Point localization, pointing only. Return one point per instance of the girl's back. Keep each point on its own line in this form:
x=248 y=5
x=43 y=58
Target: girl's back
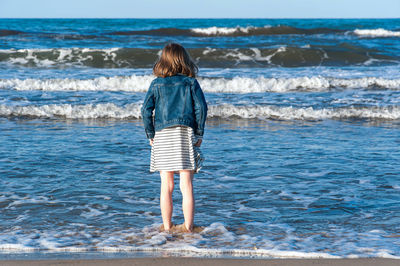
x=178 y=100
x=174 y=113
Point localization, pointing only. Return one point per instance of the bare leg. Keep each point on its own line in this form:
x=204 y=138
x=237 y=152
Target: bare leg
x=167 y=187
x=186 y=186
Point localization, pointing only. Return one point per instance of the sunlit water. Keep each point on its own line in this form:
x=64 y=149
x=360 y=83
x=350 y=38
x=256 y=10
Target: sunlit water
x=302 y=141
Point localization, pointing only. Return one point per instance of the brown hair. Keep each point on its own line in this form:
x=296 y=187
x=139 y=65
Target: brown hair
x=174 y=60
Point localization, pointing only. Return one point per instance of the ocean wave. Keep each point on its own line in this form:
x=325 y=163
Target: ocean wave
x=87 y=111
x=204 y=57
x=225 y=30
x=4 y=32
x=187 y=249
x=182 y=250
x=229 y=31
x=309 y=113
x=213 y=31
x=223 y=111
x=150 y=240
x=132 y=83
x=313 y=83
x=137 y=83
x=376 y=32
x=99 y=58
x=58 y=36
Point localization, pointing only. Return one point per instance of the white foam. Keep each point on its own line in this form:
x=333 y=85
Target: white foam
x=110 y=110
x=224 y=30
x=377 y=32
x=15 y=247
x=67 y=56
x=27 y=200
x=88 y=111
x=131 y=83
x=91 y=213
x=256 y=56
x=215 y=240
x=383 y=253
x=210 y=252
x=292 y=113
x=140 y=83
x=182 y=249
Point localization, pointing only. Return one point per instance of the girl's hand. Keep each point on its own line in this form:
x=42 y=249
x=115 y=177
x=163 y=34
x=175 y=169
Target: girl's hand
x=151 y=142
x=198 y=143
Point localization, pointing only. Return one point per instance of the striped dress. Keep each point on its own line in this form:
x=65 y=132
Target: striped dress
x=173 y=150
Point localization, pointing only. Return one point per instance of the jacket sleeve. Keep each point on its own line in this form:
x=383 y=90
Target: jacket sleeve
x=200 y=108
x=147 y=112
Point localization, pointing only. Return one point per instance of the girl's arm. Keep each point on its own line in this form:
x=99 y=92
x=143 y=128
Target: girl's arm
x=200 y=108
x=147 y=113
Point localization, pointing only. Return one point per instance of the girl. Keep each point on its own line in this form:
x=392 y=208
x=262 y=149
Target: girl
x=176 y=130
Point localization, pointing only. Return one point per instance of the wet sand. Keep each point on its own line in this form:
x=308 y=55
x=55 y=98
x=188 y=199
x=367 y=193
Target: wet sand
x=202 y=261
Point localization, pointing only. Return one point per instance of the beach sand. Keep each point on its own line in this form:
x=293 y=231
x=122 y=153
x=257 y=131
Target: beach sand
x=202 y=261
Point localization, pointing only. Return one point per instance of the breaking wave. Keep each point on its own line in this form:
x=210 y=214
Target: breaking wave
x=377 y=33
x=309 y=113
x=310 y=55
x=223 y=111
x=212 y=31
x=137 y=83
x=4 y=32
x=229 y=31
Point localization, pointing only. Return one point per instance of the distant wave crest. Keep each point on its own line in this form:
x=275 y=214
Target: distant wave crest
x=226 y=30
x=229 y=31
x=376 y=32
x=213 y=31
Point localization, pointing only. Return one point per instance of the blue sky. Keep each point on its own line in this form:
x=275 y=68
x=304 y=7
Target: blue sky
x=200 y=9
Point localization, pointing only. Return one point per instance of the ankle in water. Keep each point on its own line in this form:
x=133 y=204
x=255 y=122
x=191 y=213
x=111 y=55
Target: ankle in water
x=187 y=229
x=162 y=228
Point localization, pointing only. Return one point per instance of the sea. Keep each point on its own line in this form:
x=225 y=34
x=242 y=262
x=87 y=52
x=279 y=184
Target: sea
x=301 y=145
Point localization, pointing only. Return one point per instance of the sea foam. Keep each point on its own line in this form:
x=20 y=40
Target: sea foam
x=223 y=30
x=137 y=83
x=223 y=111
x=287 y=56
x=377 y=32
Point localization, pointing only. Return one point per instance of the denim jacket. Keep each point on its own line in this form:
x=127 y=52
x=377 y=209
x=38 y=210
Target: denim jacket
x=177 y=100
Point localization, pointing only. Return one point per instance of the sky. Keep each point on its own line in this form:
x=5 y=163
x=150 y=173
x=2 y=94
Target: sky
x=200 y=9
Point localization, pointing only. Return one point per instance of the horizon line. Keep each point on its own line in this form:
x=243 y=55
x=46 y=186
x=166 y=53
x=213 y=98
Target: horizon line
x=198 y=18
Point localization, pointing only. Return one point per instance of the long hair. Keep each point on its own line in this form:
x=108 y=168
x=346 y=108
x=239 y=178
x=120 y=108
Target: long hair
x=174 y=60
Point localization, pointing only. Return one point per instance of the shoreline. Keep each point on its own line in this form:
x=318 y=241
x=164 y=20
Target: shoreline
x=205 y=261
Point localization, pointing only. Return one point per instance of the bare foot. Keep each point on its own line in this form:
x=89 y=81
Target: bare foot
x=161 y=228
x=182 y=228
